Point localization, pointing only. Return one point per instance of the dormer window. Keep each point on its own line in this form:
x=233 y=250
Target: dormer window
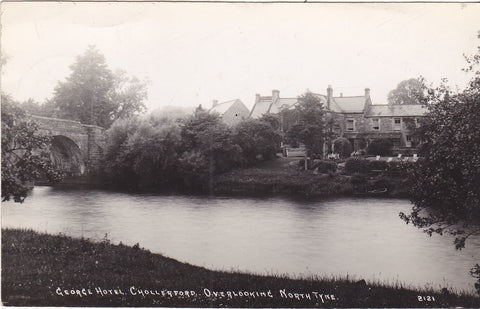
x=376 y=124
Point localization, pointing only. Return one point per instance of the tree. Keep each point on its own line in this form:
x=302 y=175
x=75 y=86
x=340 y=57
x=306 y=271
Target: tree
x=93 y=94
x=24 y=153
x=380 y=146
x=410 y=91
x=310 y=129
x=446 y=182
x=143 y=153
x=343 y=147
x=257 y=139
x=208 y=149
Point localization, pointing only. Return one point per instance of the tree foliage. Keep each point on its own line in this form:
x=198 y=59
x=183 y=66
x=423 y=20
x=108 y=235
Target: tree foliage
x=410 y=91
x=380 y=146
x=257 y=139
x=446 y=183
x=24 y=153
x=93 y=94
x=310 y=129
x=343 y=147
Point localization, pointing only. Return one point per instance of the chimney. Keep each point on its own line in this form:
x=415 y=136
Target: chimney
x=367 y=93
x=368 y=101
x=329 y=96
x=215 y=103
x=341 y=95
x=257 y=98
x=275 y=95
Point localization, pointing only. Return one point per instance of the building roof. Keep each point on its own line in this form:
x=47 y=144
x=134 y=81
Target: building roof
x=261 y=107
x=354 y=104
x=396 y=110
x=281 y=104
x=222 y=107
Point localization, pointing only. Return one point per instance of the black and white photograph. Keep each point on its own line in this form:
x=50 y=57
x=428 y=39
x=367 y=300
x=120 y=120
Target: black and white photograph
x=240 y=154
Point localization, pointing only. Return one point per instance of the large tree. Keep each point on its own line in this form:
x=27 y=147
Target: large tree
x=24 y=153
x=258 y=139
x=310 y=128
x=93 y=94
x=208 y=149
x=446 y=182
x=410 y=91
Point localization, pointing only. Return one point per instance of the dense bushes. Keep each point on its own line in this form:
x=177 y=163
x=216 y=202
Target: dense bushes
x=257 y=140
x=381 y=146
x=342 y=146
x=363 y=166
x=357 y=166
x=163 y=154
x=324 y=166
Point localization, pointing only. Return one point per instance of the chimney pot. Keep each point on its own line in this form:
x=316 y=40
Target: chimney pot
x=367 y=92
x=215 y=103
x=329 y=95
x=341 y=95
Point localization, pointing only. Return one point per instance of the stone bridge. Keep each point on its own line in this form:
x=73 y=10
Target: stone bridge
x=76 y=148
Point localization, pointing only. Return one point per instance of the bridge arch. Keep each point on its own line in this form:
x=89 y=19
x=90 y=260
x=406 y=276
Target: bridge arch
x=67 y=156
x=78 y=147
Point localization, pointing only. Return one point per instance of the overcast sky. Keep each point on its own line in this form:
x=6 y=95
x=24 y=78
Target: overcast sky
x=194 y=53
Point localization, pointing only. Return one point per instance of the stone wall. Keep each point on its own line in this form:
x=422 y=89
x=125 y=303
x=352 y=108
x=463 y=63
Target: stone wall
x=90 y=139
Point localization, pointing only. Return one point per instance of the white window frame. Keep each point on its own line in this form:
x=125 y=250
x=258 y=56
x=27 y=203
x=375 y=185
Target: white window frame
x=377 y=128
x=397 y=127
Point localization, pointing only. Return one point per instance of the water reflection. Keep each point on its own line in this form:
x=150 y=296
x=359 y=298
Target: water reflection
x=361 y=237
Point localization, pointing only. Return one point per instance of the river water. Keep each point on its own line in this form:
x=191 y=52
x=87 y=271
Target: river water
x=361 y=237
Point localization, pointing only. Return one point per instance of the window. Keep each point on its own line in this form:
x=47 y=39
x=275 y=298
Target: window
x=376 y=124
x=350 y=125
x=417 y=122
x=409 y=141
x=397 y=124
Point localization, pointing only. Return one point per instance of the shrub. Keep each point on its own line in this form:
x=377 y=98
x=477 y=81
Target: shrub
x=358 y=179
x=357 y=165
x=324 y=166
x=342 y=146
x=378 y=165
x=381 y=146
x=400 y=167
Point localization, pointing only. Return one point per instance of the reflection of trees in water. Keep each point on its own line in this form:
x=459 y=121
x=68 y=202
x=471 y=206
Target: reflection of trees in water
x=67 y=156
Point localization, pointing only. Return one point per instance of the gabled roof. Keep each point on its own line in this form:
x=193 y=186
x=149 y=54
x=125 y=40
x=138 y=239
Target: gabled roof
x=222 y=107
x=260 y=108
x=397 y=110
x=354 y=104
x=281 y=104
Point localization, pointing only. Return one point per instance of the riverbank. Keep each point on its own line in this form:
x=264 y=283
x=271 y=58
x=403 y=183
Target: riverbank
x=283 y=176
x=45 y=270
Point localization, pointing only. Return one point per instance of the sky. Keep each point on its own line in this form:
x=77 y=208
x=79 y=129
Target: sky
x=193 y=53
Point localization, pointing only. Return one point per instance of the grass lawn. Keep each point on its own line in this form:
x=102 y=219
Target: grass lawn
x=46 y=270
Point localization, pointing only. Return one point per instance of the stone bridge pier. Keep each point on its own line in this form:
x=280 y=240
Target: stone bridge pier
x=76 y=148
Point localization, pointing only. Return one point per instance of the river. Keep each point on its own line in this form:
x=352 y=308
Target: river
x=361 y=237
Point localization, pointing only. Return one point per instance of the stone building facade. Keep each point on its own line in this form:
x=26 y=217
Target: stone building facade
x=356 y=118
x=232 y=112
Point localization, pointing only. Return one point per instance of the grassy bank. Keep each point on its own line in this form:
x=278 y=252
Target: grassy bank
x=46 y=270
x=284 y=176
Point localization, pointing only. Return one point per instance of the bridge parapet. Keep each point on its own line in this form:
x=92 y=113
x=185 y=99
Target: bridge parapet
x=89 y=138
